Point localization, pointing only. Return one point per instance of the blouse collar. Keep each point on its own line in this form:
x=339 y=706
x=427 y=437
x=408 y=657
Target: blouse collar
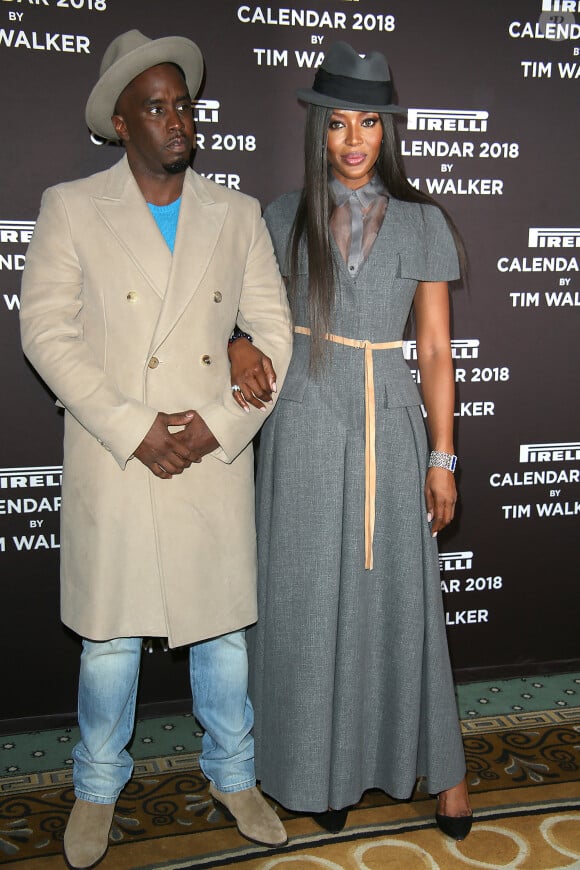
x=365 y=195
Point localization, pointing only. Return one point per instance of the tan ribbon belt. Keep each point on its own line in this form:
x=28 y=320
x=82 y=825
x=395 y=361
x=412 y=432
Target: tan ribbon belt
x=370 y=451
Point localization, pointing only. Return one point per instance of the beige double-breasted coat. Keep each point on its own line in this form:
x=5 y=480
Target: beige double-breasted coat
x=119 y=329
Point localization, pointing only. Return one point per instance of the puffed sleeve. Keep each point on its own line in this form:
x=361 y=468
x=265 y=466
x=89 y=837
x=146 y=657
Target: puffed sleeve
x=441 y=262
x=279 y=217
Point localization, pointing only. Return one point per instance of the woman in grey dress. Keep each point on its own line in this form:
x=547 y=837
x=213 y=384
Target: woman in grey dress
x=351 y=680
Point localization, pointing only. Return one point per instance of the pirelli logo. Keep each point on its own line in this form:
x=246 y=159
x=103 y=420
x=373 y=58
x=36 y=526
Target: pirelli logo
x=31 y=478
x=16 y=232
x=564 y=451
x=442 y=120
x=462 y=560
x=554 y=237
x=206 y=111
x=461 y=348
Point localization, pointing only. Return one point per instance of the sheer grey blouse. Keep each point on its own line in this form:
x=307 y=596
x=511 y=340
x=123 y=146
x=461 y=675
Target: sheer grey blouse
x=356 y=219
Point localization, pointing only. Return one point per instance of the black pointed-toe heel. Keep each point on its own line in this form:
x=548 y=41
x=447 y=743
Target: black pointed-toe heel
x=456 y=827
x=332 y=821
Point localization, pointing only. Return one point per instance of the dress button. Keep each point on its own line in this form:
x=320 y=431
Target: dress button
x=153 y=362
x=206 y=360
x=131 y=296
x=217 y=296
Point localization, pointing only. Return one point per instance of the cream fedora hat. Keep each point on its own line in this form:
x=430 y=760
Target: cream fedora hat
x=128 y=56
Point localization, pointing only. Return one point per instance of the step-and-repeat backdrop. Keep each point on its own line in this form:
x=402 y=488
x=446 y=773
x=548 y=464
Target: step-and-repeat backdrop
x=492 y=132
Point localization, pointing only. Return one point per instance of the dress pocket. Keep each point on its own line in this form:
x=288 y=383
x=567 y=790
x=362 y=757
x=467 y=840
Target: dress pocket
x=401 y=392
x=412 y=265
x=296 y=379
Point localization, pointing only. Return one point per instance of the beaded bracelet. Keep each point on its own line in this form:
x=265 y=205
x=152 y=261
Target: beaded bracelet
x=437 y=459
x=237 y=333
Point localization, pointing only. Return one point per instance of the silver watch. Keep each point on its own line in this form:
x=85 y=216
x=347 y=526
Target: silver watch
x=438 y=459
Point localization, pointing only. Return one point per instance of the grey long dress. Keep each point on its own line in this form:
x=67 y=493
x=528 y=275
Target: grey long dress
x=350 y=673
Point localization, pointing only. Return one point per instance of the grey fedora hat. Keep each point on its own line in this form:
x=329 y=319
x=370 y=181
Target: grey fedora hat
x=128 y=56
x=345 y=80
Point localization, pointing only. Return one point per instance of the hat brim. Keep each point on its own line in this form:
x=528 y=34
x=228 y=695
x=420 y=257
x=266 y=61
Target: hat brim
x=169 y=49
x=307 y=95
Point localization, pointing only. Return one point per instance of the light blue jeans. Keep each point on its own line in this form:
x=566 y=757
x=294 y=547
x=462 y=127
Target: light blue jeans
x=108 y=681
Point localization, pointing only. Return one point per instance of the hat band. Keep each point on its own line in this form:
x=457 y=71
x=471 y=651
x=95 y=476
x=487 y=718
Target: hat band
x=352 y=90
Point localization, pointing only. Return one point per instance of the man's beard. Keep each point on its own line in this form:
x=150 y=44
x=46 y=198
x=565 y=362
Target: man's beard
x=177 y=167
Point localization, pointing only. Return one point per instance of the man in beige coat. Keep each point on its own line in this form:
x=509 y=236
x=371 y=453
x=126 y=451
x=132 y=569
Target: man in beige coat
x=134 y=280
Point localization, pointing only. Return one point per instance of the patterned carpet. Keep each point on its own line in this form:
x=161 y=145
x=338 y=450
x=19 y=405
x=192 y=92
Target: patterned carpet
x=524 y=778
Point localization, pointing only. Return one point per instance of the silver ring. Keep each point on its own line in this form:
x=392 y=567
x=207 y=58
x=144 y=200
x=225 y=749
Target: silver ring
x=236 y=388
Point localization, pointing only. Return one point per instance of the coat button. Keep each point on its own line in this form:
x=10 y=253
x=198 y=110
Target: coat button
x=206 y=360
x=153 y=362
x=217 y=296
x=131 y=296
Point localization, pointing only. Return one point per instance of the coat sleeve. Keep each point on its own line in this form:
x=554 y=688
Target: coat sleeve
x=52 y=337
x=264 y=314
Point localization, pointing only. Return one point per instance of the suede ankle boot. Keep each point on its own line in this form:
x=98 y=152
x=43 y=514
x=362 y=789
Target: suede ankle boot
x=86 y=838
x=256 y=820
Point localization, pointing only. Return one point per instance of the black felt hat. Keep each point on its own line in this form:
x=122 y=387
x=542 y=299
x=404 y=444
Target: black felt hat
x=345 y=80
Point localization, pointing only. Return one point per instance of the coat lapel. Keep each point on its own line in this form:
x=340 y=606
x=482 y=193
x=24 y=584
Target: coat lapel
x=175 y=278
x=200 y=223
x=124 y=210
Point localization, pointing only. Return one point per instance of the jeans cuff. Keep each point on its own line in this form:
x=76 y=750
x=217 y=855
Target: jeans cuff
x=242 y=786
x=95 y=798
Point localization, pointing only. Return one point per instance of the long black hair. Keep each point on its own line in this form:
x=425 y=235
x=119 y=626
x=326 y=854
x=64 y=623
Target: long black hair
x=311 y=225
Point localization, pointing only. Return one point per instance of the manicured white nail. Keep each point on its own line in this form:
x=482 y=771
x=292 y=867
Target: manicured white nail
x=434 y=535
x=274 y=387
x=429 y=517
